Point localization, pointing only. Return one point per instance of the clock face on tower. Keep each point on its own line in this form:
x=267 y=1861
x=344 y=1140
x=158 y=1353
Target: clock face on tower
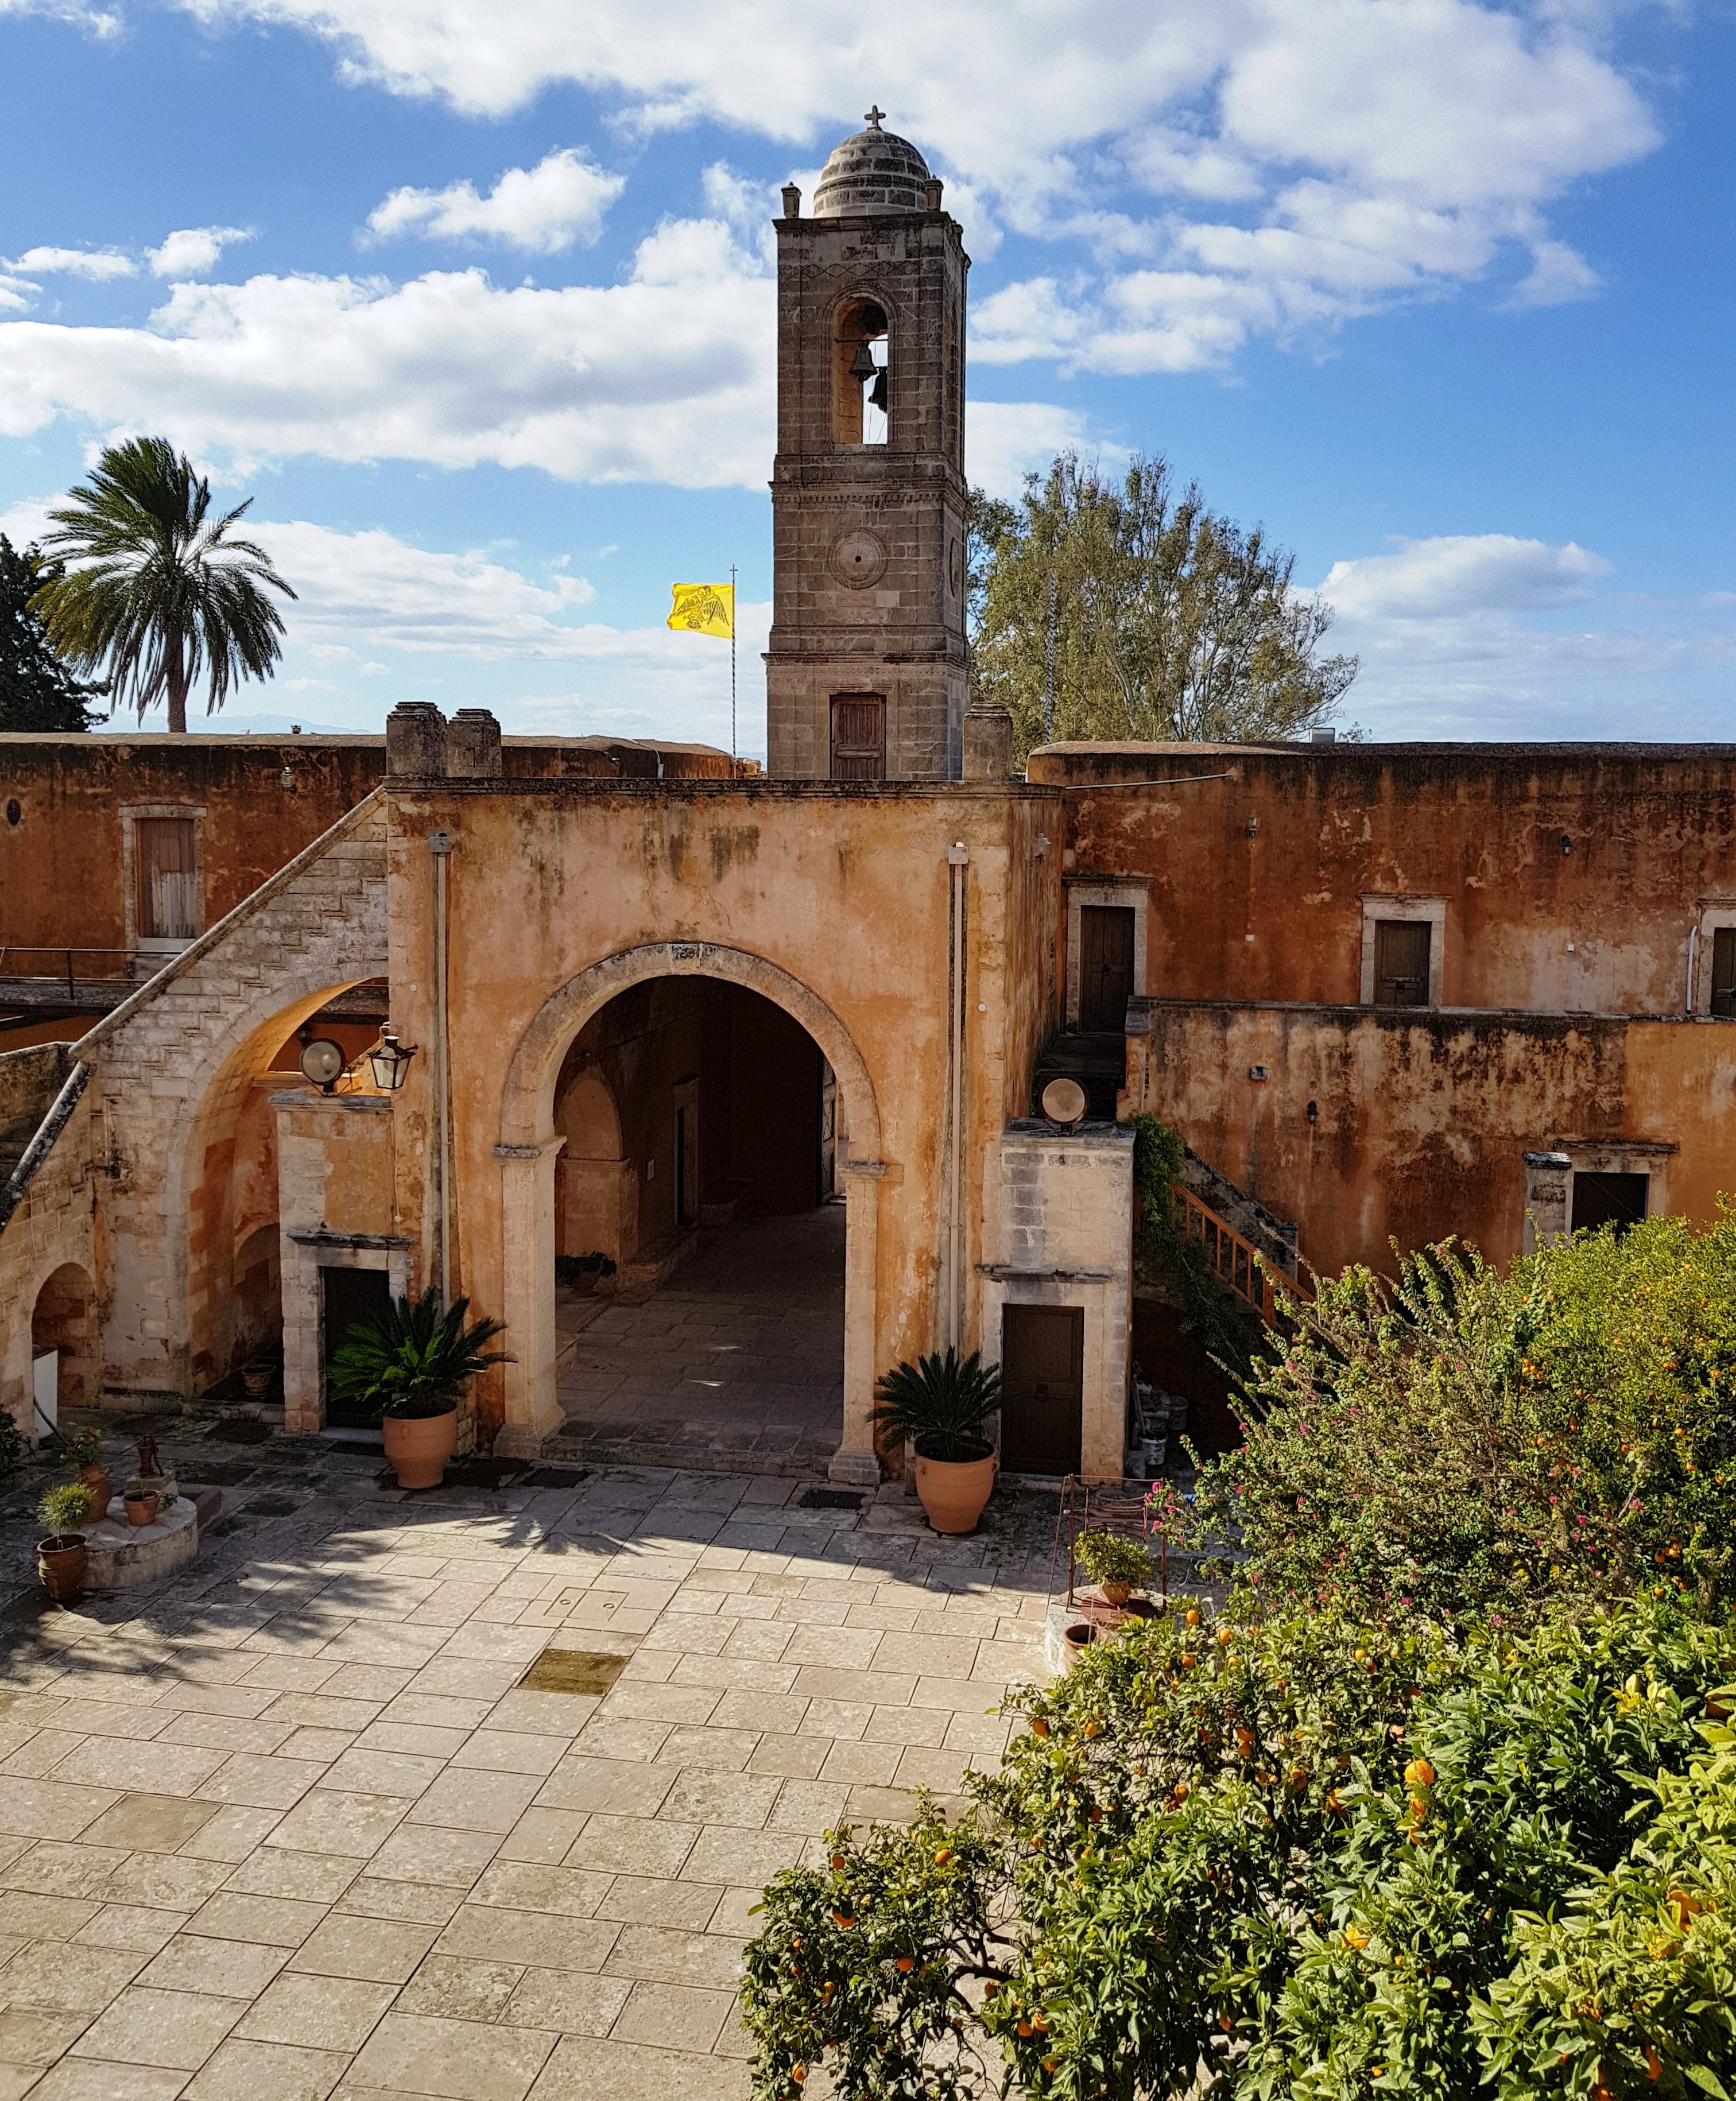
x=858 y=558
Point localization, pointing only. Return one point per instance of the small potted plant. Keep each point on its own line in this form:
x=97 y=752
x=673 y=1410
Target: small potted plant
x=1116 y=1564
x=409 y=1365
x=940 y=1404
x=141 y=1503
x=584 y=1272
x=84 y=1450
x=60 y=1554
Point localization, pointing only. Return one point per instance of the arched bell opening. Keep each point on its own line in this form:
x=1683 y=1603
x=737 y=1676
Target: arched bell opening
x=862 y=378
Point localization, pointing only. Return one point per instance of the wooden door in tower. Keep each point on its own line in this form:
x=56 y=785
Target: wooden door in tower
x=1105 y=967
x=859 y=736
x=1043 y=1383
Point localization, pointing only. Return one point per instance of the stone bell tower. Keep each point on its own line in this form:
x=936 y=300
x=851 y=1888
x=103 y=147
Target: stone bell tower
x=866 y=673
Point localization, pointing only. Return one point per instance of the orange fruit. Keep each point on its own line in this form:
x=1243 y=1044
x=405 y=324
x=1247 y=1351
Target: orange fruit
x=837 y=1860
x=906 y=1963
x=799 y=2072
x=943 y=1856
x=1039 y=1727
x=1025 y=2031
x=1419 y=1773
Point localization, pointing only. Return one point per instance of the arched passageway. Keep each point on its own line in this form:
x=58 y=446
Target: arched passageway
x=703 y=1092
x=699 y=1238
x=62 y=1344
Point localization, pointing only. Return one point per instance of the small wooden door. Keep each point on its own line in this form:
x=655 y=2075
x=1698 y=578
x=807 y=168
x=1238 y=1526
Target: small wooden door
x=168 y=883
x=1401 y=963
x=347 y=1296
x=1723 y=972
x=859 y=736
x=1043 y=1383
x=1105 y=967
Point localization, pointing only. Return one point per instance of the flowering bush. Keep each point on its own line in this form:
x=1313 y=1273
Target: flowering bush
x=1320 y=1858
x=1461 y=1442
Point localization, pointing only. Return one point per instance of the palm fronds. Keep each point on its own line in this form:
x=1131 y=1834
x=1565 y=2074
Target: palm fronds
x=162 y=594
x=413 y=1360
x=941 y=1404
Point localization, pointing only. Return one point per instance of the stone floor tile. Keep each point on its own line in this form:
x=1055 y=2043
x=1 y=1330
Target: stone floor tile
x=243 y=2071
x=733 y=1916
x=673 y=2016
x=151 y=1823
x=316 y=1878
x=606 y=1735
x=323 y=2013
x=130 y=1926
x=506 y=1750
x=924 y=1727
x=722 y=1750
x=723 y=1853
x=750 y=1672
x=51 y=1809
x=928 y=1655
x=700 y=1796
x=326 y=1821
x=419 y=1739
x=584 y=2068
x=462 y=1988
x=225 y=1732
x=632 y=1845
x=64 y=1977
x=428 y=1854
x=234 y=1969
x=176 y=2030
x=477 y=1801
x=879 y=1688
x=252 y=1782
x=25 y=1918
x=382 y=1951
x=492 y=1933
x=233 y=1835
x=139 y=1767
x=379 y=1896
x=861 y=1764
x=318 y=1747
x=667 y=1955
x=566 y=1999
x=542 y=1834
x=652 y=1901
x=390 y=1772
x=164 y=1881
x=33 y=2037
x=794 y=1757
x=976 y=1733
x=616 y=1786
x=290 y=1673
x=451 y=2060
x=274 y=1921
x=527 y=1886
x=560 y=1715
x=466 y=1678
x=879 y=1805
x=417 y=1710
x=82 y=2078
x=808 y=1807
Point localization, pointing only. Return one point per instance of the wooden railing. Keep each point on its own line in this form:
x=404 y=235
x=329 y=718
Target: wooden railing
x=1230 y=1258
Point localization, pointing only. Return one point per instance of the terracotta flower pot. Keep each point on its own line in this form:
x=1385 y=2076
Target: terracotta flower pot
x=142 y=1510
x=1116 y=1594
x=1074 y=1641
x=256 y=1381
x=60 y=1563
x=99 y=1489
x=419 y=1447
x=954 y=1490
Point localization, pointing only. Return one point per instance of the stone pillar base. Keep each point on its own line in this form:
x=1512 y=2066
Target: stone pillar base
x=853 y=1470
x=517 y=1440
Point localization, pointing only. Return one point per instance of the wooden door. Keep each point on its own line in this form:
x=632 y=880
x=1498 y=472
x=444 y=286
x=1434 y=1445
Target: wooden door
x=347 y=1296
x=1401 y=963
x=1723 y=972
x=168 y=891
x=1105 y=967
x=859 y=736
x=1043 y=1383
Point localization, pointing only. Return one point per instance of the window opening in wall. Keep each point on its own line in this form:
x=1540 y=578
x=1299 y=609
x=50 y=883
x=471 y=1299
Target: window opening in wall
x=1609 y=1200
x=1401 y=963
x=168 y=880
x=1042 y=1384
x=1723 y=972
x=860 y=375
x=859 y=736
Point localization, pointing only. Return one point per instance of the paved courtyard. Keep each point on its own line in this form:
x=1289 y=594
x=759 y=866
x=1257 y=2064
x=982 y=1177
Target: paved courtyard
x=289 y=1827
x=736 y=1363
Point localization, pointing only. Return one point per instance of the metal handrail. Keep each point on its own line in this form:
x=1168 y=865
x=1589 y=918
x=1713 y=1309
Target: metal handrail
x=1234 y=1260
x=14 y=954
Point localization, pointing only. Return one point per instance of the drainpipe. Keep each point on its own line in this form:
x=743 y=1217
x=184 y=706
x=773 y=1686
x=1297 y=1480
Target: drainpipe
x=440 y=845
x=957 y=858
x=1693 y=943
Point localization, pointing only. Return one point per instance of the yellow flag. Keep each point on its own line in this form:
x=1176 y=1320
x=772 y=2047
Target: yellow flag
x=704 y=608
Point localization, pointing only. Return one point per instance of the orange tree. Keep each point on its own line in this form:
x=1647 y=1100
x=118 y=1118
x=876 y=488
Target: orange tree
x=1300 y=1855
x=1461 y=1443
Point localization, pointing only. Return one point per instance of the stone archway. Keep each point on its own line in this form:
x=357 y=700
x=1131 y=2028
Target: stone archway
x=530 y=1144
x=61 y=1320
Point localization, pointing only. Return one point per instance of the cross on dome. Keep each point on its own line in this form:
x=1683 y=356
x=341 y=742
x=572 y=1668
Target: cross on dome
x=873 y=116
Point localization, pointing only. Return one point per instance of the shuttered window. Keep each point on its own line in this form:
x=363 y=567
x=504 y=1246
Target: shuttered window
x=1401 y=963
x=168 y=881
x=859 y=736
x=1723 y=972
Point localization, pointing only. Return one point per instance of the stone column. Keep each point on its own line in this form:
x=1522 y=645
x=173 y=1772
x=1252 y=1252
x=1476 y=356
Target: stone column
x=533 y=1413
x=473 y=746
x=416 y=739
x=855 y=1463
x=988 y=744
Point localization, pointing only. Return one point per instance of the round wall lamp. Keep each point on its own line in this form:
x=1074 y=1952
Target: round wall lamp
x=322 y=1061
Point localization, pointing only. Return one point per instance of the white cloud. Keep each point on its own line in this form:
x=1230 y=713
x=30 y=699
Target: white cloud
x=1454 y=575
x=1282 y=165
x=1006 y=440
x=543 y=211
x=96 y=21
x=95 y=263
x=1558 y=274
x=666 y=376
x=191 y=250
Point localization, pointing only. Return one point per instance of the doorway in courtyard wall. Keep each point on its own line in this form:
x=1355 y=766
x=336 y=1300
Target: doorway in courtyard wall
x=699 y=1234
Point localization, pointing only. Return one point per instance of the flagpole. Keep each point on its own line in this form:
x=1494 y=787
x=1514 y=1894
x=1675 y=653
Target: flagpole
x=732 y=760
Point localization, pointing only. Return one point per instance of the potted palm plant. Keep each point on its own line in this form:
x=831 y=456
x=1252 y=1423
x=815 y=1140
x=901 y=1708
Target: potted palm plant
x=940 y=1403
x=408 y=1366
x=63 y=1514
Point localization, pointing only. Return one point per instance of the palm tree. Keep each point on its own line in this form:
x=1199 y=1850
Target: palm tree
x=162 y=593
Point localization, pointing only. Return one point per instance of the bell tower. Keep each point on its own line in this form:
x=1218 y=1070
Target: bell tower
x=866 y=673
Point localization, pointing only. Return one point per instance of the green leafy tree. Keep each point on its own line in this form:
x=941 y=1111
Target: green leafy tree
x=162 y=593
x=37 y=690
x=1169 y=623
x=1300 y=1856
x=1459 y=1444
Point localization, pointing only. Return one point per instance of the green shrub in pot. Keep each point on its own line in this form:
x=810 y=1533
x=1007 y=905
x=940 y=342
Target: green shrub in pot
x=408 y=1365
x=941 y=1404
x=1118 y=1565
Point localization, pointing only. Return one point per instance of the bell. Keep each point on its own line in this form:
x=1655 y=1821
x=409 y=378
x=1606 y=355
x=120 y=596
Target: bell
x=862 y=365
x=877 y=392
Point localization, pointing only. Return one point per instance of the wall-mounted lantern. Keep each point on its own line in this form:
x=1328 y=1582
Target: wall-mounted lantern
x=390 y=1060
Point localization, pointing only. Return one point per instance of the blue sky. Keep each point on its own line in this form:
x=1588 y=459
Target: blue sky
x=473 y=296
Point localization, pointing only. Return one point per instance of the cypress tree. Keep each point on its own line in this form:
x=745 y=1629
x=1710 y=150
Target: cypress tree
x=38 y=691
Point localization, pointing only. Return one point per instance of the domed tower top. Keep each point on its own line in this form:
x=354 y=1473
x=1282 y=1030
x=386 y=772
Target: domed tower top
x=874 y=171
